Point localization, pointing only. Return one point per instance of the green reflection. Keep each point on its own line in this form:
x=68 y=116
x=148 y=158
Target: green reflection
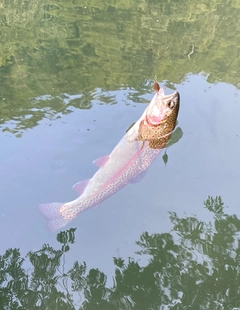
x=195 y=266
x=75 y=47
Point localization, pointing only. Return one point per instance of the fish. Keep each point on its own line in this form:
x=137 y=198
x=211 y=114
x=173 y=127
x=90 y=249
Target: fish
x=127 y=163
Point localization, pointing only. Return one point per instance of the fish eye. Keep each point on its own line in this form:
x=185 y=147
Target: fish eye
x=171 y=104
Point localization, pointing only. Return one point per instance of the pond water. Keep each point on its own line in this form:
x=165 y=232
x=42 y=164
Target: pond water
x=73 y=77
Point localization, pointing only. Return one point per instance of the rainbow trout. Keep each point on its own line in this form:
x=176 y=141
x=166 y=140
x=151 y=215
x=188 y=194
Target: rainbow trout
x=127 y=163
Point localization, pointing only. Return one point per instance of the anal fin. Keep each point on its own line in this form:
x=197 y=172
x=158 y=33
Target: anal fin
x=80 y=186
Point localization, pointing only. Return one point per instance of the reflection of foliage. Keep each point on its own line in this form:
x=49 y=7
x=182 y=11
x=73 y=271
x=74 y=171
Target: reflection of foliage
x=71 y=47
x=199 y=269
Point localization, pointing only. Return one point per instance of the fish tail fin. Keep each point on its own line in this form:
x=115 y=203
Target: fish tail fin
x=51 y=211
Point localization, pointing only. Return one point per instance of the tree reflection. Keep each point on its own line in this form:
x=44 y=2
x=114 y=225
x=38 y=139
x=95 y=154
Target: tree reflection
x=195 y=266
x=73 y=48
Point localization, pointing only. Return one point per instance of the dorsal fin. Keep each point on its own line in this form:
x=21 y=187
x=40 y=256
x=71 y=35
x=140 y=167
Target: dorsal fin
x=156 y=86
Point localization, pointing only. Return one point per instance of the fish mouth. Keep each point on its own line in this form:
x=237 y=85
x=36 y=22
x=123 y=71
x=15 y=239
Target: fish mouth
x=159 y=113
x=173 y=96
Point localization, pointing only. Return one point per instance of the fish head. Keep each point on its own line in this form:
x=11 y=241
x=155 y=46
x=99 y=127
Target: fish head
x=162 y=107
x=161 y=115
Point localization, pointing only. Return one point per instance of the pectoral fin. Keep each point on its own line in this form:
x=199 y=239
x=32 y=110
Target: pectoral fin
x=101 y=161
x=139 y=177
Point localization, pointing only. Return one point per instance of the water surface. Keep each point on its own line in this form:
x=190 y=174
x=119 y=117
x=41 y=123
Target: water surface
x=73 y=78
